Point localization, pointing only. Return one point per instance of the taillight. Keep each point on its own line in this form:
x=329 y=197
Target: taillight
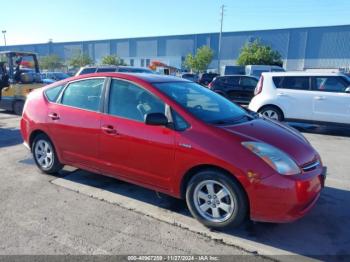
x=259 y=86
x=210 y=86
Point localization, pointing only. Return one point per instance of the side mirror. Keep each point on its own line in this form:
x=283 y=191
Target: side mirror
x=347 y=90
x=156 y=119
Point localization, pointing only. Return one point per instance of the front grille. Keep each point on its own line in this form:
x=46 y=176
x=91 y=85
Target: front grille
x=311 y=166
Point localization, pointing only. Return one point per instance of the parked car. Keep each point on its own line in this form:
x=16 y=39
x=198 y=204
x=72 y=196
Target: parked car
x=176 y=137
x=190 y=77
x=303 y=97
x=54 y=76
x=257 y=70
x=206 y=78
x=109 y=68
x=233 y=70
x=237 y=88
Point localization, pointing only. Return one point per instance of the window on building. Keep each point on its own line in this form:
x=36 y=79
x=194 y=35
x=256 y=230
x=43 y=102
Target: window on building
x=142 y=62
x=132 y=62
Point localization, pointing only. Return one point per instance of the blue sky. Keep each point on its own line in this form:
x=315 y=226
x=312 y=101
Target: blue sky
x=68 y=20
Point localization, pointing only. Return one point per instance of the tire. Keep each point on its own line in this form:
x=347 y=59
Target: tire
x=18 y=107
x=225 y=211
x=272 y=112
x=45 y=156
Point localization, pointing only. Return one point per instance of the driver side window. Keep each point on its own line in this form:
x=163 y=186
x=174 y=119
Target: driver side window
x=130 y=101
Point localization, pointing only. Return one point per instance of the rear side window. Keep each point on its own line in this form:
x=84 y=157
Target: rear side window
x=249 y=82
x=330 y=84
x=53 y=93
x=85 y=94
x=292 y=82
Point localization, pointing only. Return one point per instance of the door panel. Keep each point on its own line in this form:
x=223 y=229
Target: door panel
x=75 y=133
x=330 y=102
x=137 y=152
x=130 y=148
x=294 y=96
x=75 y=121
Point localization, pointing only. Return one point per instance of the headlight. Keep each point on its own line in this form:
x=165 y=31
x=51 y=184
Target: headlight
x=274 y=157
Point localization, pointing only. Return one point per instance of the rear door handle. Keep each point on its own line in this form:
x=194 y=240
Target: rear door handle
x=281 y=94
x=54 y=116
x=108 y=129
x=319 y=98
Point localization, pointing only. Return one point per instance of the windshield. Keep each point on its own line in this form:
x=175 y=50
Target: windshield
x=202 y=102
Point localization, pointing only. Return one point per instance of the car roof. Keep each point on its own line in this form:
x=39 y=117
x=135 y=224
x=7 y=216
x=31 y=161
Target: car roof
x=301 y=73
x=113 y=66
x=150 y=78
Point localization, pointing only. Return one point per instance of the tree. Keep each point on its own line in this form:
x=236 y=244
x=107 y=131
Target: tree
x=112 y=60
x=201 y=60
x=51 y=62
x=256 y=53
x=80 y=60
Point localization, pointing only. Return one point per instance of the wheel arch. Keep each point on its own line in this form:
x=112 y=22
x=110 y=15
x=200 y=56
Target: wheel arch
x=204 y=167
x=34 y=134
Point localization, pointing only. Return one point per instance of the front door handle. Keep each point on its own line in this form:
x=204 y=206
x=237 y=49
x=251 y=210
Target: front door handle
x=54 y=116
x=281 y=94
x=108 y=129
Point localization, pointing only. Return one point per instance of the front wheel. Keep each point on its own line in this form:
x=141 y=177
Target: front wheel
x=216 y=200
x=45 y=155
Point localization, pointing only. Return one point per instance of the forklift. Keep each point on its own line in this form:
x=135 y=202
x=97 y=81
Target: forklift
x=19 y=75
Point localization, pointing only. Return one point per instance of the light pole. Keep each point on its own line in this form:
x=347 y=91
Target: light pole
x=220 y=37
x=4 y=32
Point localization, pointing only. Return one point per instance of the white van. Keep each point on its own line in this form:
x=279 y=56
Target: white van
x=303 y=96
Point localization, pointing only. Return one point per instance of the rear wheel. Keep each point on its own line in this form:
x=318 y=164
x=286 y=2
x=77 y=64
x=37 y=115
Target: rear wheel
x=272 y=112
x=18 y=107
x=45 y=155
x=216 y=200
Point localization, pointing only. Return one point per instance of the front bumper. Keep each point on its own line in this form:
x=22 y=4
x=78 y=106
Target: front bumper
x=285 y=199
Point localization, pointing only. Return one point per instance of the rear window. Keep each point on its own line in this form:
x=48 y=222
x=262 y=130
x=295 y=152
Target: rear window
x=292 y=82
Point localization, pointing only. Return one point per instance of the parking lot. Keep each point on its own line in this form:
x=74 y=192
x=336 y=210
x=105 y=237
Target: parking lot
x=77 y=212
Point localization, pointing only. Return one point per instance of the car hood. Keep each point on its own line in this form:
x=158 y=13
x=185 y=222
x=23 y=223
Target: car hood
x=278 y=135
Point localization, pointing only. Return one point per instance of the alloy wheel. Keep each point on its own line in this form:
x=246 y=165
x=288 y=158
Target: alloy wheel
x=44 y=154
x=270 y=114
x=213 y=201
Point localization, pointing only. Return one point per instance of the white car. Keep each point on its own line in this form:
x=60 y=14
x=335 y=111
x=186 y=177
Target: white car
x=303 y=97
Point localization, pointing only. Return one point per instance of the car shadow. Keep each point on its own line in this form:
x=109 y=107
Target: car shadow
x=321 y=129
x=10 y=137
x=324 y=231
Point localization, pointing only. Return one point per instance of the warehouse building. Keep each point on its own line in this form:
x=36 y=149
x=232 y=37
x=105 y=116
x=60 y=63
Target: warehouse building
x=301 y=48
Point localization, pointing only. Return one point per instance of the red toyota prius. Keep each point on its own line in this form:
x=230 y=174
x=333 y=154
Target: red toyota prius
x=176 y=137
